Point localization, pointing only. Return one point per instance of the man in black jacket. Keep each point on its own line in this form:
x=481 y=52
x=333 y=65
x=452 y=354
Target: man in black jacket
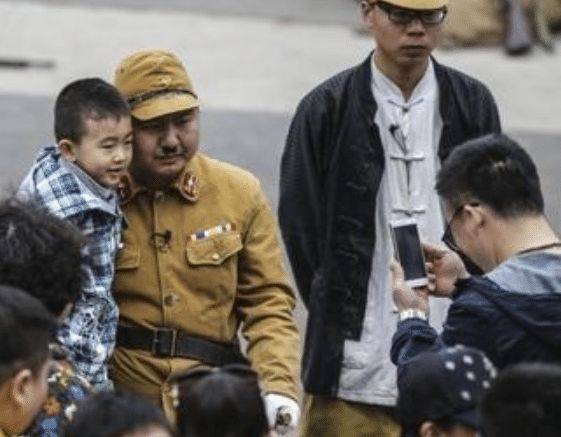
x=495 y=212
x=363 y=149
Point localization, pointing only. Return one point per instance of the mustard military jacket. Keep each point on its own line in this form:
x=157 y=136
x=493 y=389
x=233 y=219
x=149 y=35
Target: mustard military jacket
x=204 y=256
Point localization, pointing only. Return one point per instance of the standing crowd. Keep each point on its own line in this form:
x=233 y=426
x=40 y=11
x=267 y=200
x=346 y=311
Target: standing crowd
x=143 y=290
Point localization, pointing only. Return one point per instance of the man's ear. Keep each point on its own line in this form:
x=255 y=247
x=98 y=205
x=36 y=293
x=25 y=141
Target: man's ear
x=476 y=216
x=21 y=387
x=366 y=8
x=67 y=149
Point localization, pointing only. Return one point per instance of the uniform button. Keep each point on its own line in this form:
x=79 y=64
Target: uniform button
x=215 y=256
x=121 y=245
x=158 y=195
x=170 y=300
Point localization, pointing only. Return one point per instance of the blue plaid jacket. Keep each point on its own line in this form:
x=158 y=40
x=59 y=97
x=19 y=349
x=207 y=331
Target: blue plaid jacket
x=89 y=332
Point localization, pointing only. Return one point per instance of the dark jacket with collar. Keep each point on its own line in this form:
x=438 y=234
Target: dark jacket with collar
x=330 y=174
x=510 y=327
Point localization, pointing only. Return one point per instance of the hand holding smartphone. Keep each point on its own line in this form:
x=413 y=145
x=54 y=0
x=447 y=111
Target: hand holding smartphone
x=408 y=251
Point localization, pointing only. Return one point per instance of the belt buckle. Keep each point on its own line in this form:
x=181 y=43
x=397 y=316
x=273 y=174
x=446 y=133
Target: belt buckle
x=164 y=342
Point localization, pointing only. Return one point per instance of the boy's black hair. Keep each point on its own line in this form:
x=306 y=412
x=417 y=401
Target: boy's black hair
x=39 y=253
x=26 y=329
x=221 y=404
x=113 y=414
x=524 y=401
x=86 y=98
x=494 y=170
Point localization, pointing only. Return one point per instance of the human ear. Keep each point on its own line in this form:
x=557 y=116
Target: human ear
x=366 y=8
x=22 y=388
x=475 y=217
x=67 y=149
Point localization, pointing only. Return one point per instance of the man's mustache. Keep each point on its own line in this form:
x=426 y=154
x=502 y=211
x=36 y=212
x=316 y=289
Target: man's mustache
x=171 y=151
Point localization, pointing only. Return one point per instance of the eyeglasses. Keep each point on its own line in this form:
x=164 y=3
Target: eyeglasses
x=403 y=16
x=448 y=237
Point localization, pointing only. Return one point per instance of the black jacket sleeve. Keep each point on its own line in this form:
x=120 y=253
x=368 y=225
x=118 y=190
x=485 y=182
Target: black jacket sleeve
x=488 y=117
x=301 y=202
x=464 y=325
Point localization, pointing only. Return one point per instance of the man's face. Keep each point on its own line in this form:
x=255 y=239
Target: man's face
x=405 y=45
x=162 y=147
x=104 y=151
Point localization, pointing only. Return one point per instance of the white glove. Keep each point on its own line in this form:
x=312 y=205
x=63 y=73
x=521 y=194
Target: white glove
x=275 y=404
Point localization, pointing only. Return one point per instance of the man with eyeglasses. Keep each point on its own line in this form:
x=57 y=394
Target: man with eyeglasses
x=363 y=150
x=495 y=213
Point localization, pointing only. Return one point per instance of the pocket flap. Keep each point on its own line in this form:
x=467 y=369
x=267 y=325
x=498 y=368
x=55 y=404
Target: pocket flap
x=213 y=250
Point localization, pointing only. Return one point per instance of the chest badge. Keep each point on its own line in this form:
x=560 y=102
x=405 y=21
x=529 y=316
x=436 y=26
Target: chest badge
x=222 y=228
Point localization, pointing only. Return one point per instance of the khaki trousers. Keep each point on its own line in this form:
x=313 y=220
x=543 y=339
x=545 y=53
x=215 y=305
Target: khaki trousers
x=332 y=417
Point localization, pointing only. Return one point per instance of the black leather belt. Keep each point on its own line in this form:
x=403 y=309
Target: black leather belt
x=168 y=343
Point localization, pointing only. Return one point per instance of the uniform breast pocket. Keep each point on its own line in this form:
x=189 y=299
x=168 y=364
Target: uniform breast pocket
x=213 y=264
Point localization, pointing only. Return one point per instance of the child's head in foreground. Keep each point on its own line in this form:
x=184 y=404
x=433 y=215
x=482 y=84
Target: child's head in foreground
x=118 y=414
x=26 y=328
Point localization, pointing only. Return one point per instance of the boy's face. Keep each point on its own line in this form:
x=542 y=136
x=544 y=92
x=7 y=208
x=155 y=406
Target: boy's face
x=21 y=398
x=104 y=151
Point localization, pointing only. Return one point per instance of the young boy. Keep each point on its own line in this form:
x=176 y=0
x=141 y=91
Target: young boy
x=25 y=332
x=75 y=179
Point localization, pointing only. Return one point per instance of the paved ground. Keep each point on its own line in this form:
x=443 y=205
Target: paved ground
x=312 y=11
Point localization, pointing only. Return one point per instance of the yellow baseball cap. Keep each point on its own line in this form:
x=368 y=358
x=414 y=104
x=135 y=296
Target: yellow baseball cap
x=417 y=4
x=155 y=83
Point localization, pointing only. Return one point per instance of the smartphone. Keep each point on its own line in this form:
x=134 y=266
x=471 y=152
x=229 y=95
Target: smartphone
x=408 y=251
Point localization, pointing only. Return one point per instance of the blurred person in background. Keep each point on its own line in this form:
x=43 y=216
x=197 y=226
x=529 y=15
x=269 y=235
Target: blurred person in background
x=363 y=149
x=26 y=329
x=222 y=402
x=524 y=401
x=118 y=414
x=40 y=253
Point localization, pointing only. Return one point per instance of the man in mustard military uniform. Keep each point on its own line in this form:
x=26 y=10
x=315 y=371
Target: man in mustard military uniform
x=200 y=256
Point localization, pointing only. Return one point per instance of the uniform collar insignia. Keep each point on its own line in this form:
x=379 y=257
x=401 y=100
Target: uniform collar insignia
x=128 y=189
x=187 y=184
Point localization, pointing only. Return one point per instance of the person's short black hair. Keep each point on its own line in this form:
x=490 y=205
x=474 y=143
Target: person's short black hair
x=494 y=170
x=220 y=404
x=524 y=401
x=114 y=414
x=26 y=329
x=86 y=98
x=39 y=253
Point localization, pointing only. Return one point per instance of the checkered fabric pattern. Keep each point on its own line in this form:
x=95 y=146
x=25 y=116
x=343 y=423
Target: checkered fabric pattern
x=89 y=332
